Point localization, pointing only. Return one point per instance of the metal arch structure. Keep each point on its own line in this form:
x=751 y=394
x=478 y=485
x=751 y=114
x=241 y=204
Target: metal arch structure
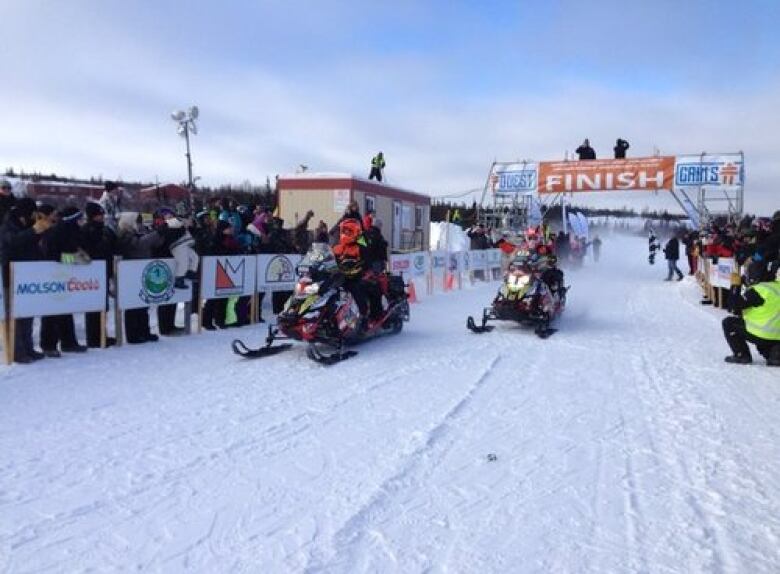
x=509 y=211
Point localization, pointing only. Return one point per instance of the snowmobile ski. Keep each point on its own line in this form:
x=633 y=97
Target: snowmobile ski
x=545 y=332
x=474 y=328
x=318 y=356
x=240 y=348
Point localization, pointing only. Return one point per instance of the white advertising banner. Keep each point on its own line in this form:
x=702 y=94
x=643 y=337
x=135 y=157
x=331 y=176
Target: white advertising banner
x=514 y=178
x=276 y=272
x=340 y=200
x=145 y=282
x=438 y=260
x=720 y=272
x=227 y=276
x=410 y=264
x=721 y=171
x=477 y=260
x=43 y=288
x=493 y=257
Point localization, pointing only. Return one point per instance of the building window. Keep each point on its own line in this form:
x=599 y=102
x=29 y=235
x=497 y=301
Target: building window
x=419 y=212
x=370 y=204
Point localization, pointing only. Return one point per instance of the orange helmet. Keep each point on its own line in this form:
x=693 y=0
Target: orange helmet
x=349 y=230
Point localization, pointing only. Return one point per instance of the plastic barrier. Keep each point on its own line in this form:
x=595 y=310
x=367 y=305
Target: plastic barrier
x=226 y=276
x=148 y=282
x=43 y=288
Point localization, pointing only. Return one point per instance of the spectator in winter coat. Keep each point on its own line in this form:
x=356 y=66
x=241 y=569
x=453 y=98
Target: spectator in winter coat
x=585 y=151
x=321 y=232
x=596 y=243
x=377 y=165
x=689 y=240
x=20 y=241
x=478 y=237
x=672 y=253
x=110 y=201
x=759 y=324
x=7 y=199
x=376 y=251
x=301 y=235
x=183 y=250
x=621 y=146
x=100 y=243
x=62 y=243
x=134 y=242
x=166 y=313
x=230 y=214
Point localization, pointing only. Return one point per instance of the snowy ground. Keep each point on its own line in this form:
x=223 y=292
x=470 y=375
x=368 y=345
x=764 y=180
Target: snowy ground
x=623 y=444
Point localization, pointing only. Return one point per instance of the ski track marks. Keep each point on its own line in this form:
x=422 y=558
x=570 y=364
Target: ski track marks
x=622 y=444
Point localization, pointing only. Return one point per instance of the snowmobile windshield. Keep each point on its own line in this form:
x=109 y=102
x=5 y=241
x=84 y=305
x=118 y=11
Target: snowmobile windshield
x=318 y=260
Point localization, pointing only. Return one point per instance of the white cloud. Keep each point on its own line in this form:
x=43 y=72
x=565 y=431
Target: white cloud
x=100 y=105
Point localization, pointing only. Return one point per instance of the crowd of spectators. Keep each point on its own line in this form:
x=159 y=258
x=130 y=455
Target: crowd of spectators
x=30 y=231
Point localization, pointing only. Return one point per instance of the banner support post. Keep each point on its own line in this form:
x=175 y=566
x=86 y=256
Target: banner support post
x=118 y=326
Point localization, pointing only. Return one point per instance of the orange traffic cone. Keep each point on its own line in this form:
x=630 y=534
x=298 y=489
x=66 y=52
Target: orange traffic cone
x=411 y=293
x=449 y=282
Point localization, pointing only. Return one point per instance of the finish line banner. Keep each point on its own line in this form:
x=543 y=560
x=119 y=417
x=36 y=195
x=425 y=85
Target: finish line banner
x=640 y=174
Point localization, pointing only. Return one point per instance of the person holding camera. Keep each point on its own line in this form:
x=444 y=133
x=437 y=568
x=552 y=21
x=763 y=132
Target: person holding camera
x=621 y=146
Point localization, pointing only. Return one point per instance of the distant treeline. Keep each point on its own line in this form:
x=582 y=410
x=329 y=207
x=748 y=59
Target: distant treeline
x=246 y=192
x=468 y=213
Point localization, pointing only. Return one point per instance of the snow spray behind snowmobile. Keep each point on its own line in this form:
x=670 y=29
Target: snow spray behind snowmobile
x=323 y=313
x=532 y=293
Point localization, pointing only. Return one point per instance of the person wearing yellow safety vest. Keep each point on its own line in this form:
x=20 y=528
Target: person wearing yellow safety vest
x=759 y=324
x=377 y=165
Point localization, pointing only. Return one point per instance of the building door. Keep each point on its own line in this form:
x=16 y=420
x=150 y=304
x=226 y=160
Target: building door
x=396 y=225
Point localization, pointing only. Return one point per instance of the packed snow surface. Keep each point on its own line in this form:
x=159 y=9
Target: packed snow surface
x=621 y=444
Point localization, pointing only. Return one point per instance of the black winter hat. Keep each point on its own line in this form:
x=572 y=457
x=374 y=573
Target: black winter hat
x=110 y=185
x=70 y=213
x=25 y=207
x=93 y=209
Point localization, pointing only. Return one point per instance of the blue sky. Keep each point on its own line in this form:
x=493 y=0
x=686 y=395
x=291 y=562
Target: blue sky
x=443 y=88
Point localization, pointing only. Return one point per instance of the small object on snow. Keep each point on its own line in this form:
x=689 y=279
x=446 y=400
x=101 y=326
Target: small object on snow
x=492 y=457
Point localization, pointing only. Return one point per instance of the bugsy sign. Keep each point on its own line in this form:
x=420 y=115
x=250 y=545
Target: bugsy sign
x=648 y=173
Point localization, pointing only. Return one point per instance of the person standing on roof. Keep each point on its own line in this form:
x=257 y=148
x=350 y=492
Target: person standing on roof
x=377 y=165
x=585 y=151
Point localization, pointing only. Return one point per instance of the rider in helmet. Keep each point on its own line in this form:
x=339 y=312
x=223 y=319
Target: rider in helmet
x=352 y=256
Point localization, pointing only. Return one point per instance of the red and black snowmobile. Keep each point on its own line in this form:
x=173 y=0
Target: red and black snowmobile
x=532 y=293
x=323 y=313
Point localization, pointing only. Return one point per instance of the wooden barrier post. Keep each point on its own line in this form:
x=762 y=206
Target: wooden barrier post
x=11 y=338
x=117 y=311
x=102 y=329
x=200 y=299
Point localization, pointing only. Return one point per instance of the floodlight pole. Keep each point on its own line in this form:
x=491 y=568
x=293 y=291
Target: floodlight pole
x=189 y=158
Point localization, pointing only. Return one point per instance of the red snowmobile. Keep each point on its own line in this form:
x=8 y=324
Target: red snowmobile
x=323 y=313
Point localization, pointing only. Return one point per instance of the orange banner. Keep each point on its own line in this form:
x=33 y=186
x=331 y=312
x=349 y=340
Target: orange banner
x=640 y=174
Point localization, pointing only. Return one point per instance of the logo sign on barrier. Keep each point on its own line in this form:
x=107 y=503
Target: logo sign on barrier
x=493 y=257
x=415 y=264
x=438 y=260
x=144 y=282
x=419 y=264
x=227 y=276
x=649 y=173
x=42 y=288
x=720 y=272
x=709 y=170
x=514 y=178
x=276 y=272
x=400 y=263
